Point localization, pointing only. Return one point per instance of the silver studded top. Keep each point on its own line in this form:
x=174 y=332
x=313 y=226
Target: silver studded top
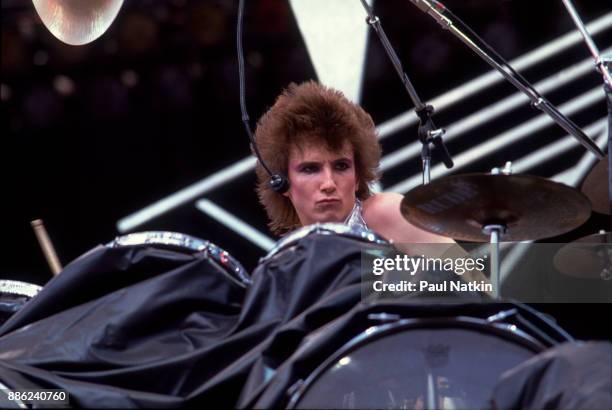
x=355 y=218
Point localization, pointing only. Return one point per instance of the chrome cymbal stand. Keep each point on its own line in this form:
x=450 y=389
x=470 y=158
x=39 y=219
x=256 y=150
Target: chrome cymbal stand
x=602 y=64
x=459 y=29
x=428 y=133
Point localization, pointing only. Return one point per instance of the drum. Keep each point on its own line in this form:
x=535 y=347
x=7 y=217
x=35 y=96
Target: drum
x=305 y=267
x=13 y=296
x=356 y=234
x=175 y=241
x=411 y=356
x=131 y=260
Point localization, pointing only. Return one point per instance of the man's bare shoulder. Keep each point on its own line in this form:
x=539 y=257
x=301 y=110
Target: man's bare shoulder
x=382 y=206
x=382 y=214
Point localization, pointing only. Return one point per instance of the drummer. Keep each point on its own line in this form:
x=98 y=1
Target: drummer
x=328 y=148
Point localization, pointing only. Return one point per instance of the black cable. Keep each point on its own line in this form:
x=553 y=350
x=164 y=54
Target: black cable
x=279 y=183
x=243 y=110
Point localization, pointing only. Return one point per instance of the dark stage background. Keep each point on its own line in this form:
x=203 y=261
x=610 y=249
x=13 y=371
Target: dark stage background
x=93 y=133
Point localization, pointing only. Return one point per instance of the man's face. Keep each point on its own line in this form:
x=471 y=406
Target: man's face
x=323 y=183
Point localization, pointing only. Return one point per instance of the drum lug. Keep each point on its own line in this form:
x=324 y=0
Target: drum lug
x=384 y=317
x=504 y=314
x=295 y=387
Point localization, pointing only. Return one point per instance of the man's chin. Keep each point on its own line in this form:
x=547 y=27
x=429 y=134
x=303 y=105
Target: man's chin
x=328 y=217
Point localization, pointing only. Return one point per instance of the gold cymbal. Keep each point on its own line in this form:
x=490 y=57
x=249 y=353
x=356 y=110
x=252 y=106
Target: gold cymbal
x=529 y=207
x=589 y=257
x=77 y=22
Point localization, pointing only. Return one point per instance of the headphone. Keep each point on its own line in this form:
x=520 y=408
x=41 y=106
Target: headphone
x=278 y=182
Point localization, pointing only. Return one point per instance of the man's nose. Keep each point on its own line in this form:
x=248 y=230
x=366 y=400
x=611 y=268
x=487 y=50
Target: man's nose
x=328 y=184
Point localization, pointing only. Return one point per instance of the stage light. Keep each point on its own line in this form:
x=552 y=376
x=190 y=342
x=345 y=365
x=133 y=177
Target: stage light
x=77 y=22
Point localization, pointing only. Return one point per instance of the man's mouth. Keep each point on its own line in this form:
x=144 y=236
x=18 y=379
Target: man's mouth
x=328 y=201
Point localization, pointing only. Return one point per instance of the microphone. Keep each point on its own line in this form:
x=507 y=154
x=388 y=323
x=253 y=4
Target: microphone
x=279 y=183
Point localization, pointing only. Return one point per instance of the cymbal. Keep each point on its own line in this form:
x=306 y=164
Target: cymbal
x=77 y=22
x=596 y=186
x=587 y=257
x=530 y=207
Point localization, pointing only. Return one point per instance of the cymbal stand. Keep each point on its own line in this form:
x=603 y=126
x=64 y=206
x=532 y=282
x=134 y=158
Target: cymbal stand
x=428 y=133
x=452 y=23
x=495 y=231
x=604 y=252
x=602 y=66
x=600 y=62
x=608 y=91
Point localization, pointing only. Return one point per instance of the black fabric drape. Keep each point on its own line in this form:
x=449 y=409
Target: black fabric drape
x=127 y=327
x=567 y=376
x=143 y=327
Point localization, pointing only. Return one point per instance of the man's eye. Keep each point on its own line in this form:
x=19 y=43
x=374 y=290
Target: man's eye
x=309 y=169
x=342 y=166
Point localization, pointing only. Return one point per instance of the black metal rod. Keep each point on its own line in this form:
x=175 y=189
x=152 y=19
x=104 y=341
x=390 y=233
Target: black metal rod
x=449 y=22
x=427 y=132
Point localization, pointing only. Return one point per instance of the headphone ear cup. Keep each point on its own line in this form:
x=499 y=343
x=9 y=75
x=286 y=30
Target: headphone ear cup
x=279 y=183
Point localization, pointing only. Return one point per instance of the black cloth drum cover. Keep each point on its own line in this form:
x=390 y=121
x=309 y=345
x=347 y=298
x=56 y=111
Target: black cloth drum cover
x=145 y=327
x=567 y=376
x=124 y=327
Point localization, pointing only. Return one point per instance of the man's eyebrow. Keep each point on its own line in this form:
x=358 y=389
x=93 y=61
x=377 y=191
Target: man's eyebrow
x=299 y=164
x=312 y=162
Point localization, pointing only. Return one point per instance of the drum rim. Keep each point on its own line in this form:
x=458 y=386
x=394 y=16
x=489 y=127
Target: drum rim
x=324 y=228
x=166 y=238
x=222 y=259
x=19 y=288
x=375 y=332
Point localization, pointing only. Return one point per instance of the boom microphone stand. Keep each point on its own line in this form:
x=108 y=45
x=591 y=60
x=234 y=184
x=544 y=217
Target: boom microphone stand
x=452 y=23
x=427 y=131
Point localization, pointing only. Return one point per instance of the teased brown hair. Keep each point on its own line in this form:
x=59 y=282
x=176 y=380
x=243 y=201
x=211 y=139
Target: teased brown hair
x=312 y=113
